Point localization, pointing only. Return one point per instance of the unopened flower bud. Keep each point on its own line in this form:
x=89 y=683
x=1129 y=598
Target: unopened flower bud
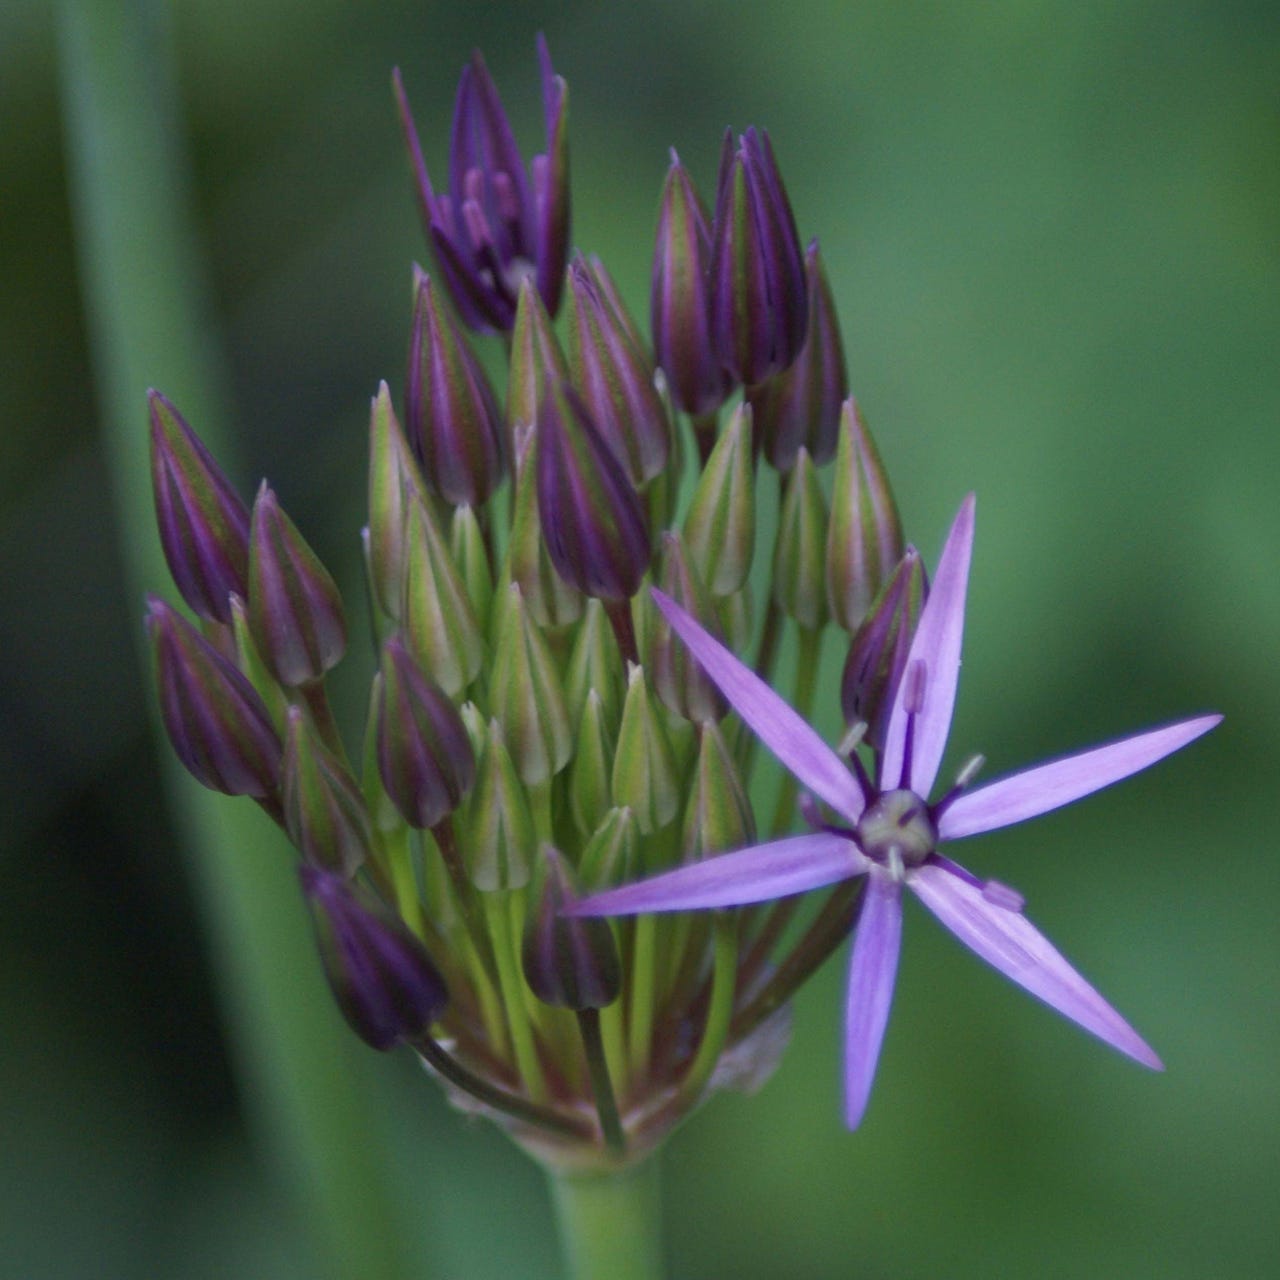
x=324 y=810
x=612 y=853
x=591 y=515
x=217 y=723
x=384 y=982
x=565 y=964
x=718 y=817
x=595 y=666
x=394 y=484
x=203 y=524
x=424 y=753
x=294 y=606
x=678 y=678
x=720 y=529
x=644 y=766
x=799 y=556
x=502 y=841
x=590 y=796
x=865 y=539
x=537 y=362
x=801 y=405
x=451 y=416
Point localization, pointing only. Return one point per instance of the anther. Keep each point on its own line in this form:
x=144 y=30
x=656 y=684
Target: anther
x=852 y=739
x=968 y=772
x=1001 y=895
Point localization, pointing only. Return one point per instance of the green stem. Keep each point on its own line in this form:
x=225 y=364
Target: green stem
x=640 y=1030
x=601 y=1085
x=611 y=1223
x=719 y=1010
x=148 y=320
x=511 y=980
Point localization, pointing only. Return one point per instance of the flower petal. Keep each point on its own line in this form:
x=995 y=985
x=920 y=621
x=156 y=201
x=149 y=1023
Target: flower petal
x=772 y=720
x=759 y=874
x=1049 y=786
x=1007 y=940
x=872 y=970
x=937 y=646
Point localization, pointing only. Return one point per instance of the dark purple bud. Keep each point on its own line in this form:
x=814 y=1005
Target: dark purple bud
x=204 y=526
x=384 y=982
x=324 y=809
x=591 y=516
x=497 y=225
x=566 y=964
x=424 y=752
x=217 y=723
x=678 y=677
x=759 y=301
x=615 y=375
x=295 y=610
x=878 y=652
x=801 y=405
x=451 y=416
x=679 y=301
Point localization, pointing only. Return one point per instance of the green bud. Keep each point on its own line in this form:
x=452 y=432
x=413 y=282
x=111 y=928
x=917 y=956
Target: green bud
x=644 y=766
x=466 y=541
x=737 y=618
x=394 y=483
x=865 y=539
x=526 y=695
x=719 y=530
x=537 y=361
x=718 y=817
x=383 y=814
x=594 y=666
x=589 y=793
x=612 y=855
x=678 y=677
x=501 y=840
x=439 y=627
x=250 y=662
x=799 y=555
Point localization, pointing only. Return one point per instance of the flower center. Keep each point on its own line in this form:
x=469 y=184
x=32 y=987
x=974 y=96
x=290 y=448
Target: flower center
x=896 y=829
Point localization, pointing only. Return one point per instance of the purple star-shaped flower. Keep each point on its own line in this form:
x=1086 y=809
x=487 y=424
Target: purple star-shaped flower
x=894 y=832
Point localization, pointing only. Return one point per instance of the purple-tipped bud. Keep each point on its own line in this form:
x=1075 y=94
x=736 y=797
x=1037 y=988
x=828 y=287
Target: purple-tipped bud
x=720 y=529
x=678 y=677
x=294 y=606
x=565 y=964
x=865 y=540
x=204 y=525
x=615 y=375
x=759 y=299
x=217 y=723
x=799 y=555
x=801 y=405
x=451 y=416
x=324 y=810
x=424 y=752
x=679 y=300
x=591 y=516
x=380 y=974
x=878 y=653
x=497 y=225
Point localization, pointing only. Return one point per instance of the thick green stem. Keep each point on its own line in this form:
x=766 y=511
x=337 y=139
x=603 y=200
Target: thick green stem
x=611 y=1223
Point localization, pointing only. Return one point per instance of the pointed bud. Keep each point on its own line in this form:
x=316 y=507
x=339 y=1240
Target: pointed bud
x=680 y=305
x=537 y=362
x=678 y=677
x=451 y=416
x=526 y=695
x=217 y=723
x=589 y=789
x=551 y=601
x=250 y=663
x=595 y=666
x=384 y=817
x=865 y=540
x=324 y=811
x=566 y=965
x=203 y=524
x=878 y=653
x=759 y=302
x=737 y=614
x=614 y=376
x=612 y=855
x=439 y=628
x=718 y=817
x=720 y=529
x=591 y=516
x=381 y=976
x=501 y=839
x=294 y=606
x=799 y=555
x=424 y=753
x=644 y=766
x=801 y=405
x=394 y=484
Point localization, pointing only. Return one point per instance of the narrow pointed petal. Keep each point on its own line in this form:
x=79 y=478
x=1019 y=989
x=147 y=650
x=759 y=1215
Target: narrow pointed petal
x=937 y=645
x=760 y=874
x=1049 y=786
x=1009 y=942
x=772 y=720
x=873 y=969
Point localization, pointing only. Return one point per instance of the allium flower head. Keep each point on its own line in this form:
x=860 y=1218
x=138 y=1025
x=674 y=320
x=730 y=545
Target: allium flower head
x=887 y=829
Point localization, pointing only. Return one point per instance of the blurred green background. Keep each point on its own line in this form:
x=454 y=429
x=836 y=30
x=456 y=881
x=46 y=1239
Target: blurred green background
x=1053 y=230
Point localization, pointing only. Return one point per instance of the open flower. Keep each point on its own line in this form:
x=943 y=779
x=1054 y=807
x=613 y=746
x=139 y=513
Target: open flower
x=893 y=831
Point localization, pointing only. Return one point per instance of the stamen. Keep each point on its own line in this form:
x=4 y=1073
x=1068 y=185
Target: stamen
x=1001 y=895
x=895 y=866
x=849 y=747
x=811 y=812
x=968 y=772
x=912 y=701
x=852 y=739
